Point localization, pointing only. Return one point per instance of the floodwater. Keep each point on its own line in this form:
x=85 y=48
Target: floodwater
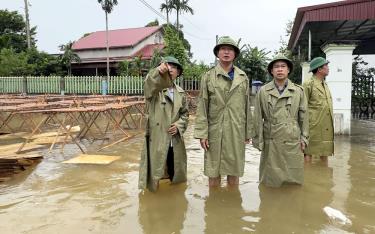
x=65 y=198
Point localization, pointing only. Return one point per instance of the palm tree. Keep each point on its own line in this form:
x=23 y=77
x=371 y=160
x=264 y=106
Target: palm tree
x=107 y=6
x=167 y=7
x=68 y=56
x=181 y=6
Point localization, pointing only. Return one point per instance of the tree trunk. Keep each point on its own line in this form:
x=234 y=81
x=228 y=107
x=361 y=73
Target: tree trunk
x=27 y=24
x=105 y=81
x=178 y=19
x=106 y=42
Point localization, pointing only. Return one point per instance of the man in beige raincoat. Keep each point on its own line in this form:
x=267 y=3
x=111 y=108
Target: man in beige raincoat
x=164 y=153
x=223 y=116
x=320 y=109
x=280 y=126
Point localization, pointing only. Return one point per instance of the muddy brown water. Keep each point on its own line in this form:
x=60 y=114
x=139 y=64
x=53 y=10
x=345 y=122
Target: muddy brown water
x=65 y=198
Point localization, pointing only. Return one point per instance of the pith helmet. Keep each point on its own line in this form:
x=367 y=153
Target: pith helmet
x=281 y=57
x=173 y=60
x=226 y=40
x=317 y=62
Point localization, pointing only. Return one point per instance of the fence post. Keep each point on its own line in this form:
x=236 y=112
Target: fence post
x=62 y=85
x=24 y=85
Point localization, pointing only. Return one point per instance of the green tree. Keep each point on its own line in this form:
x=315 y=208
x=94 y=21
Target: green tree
x=181 y=6
x=181 y=35
x=175 y=46
x=153 y=23
x=43 y=64
x=167 y=7
x=13 y=31
x=13 y=63
x=253 y=61
x=68 y=56
x=124 y=68
x=156 y=58
x=107 y=6
x=194 y=70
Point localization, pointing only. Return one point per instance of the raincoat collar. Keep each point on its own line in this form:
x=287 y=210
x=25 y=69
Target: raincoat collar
x=271 y=87
x=319 y=84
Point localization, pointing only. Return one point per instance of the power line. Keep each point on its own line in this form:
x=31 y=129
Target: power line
x=153 y=9
x=162 y=16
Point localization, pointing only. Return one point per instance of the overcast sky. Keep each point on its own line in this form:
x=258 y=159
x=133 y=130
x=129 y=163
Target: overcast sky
x=259 y=23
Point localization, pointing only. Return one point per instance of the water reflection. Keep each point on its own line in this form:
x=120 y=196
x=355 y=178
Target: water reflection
x=55 y=197
x=223 y=211
x=164 y=211
x=295 y=208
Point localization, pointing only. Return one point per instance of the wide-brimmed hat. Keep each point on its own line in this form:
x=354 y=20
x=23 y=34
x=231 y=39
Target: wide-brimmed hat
x=173 y=60
x=281 y=57
x=317 y=62
x=226 y=40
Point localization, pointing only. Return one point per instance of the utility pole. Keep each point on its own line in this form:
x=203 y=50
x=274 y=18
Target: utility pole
x=27 y=24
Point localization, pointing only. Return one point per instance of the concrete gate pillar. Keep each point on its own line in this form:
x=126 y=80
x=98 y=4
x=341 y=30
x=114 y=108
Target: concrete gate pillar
x=339 y=82
x=305 y=71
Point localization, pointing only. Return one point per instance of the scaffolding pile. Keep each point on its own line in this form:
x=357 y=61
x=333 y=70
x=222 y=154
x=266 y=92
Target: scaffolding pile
x=65 y=119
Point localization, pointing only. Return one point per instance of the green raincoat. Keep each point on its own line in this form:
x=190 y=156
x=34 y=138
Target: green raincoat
x=224 y=118
x=320 y=117
x=280 y=123
x=161 y=112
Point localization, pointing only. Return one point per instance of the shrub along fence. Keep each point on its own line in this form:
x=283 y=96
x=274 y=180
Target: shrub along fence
x=81 y=85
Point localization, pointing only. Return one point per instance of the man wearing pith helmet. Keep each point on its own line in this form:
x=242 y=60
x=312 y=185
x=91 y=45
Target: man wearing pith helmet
x=164 y=153
x=280 y=126
x=320 y=108
x=223 y=116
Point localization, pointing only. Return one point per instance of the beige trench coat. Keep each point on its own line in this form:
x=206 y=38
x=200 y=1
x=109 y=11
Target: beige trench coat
x=280 y=124
x=224 y=118
x=161 y=112
x=320 y=108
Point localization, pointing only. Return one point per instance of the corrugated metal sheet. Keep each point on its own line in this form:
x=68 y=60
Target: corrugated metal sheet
x=343 y=10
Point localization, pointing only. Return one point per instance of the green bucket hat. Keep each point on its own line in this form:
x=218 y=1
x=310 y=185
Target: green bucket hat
x=173 y=60
x=317 y=62
x=226 y=40
x=282 y=58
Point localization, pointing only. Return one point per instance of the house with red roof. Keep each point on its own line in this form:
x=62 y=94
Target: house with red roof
x=124 y=44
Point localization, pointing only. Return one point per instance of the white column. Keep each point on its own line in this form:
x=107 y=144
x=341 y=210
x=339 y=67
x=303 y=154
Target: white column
x=339 y=82
x=305 y=71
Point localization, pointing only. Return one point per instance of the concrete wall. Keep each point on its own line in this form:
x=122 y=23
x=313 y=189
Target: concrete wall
x=339 y=81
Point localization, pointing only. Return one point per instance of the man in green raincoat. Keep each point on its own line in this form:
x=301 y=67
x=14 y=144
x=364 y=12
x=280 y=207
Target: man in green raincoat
x=280 y=126
x=164 y=153
x=223 y=116
x=320 y=109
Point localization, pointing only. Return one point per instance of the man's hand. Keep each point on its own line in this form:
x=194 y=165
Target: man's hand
x=163 y=69
x=204 y=144
x=173 y=130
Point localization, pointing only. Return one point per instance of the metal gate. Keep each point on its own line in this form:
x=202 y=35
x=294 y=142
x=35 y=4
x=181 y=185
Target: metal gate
x=363 y=96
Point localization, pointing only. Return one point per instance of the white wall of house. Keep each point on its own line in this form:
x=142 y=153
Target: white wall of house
x=155 y=38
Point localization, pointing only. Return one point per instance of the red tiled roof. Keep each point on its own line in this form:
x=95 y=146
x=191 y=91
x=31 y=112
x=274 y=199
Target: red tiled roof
x=148 y=50
x=117 y=38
